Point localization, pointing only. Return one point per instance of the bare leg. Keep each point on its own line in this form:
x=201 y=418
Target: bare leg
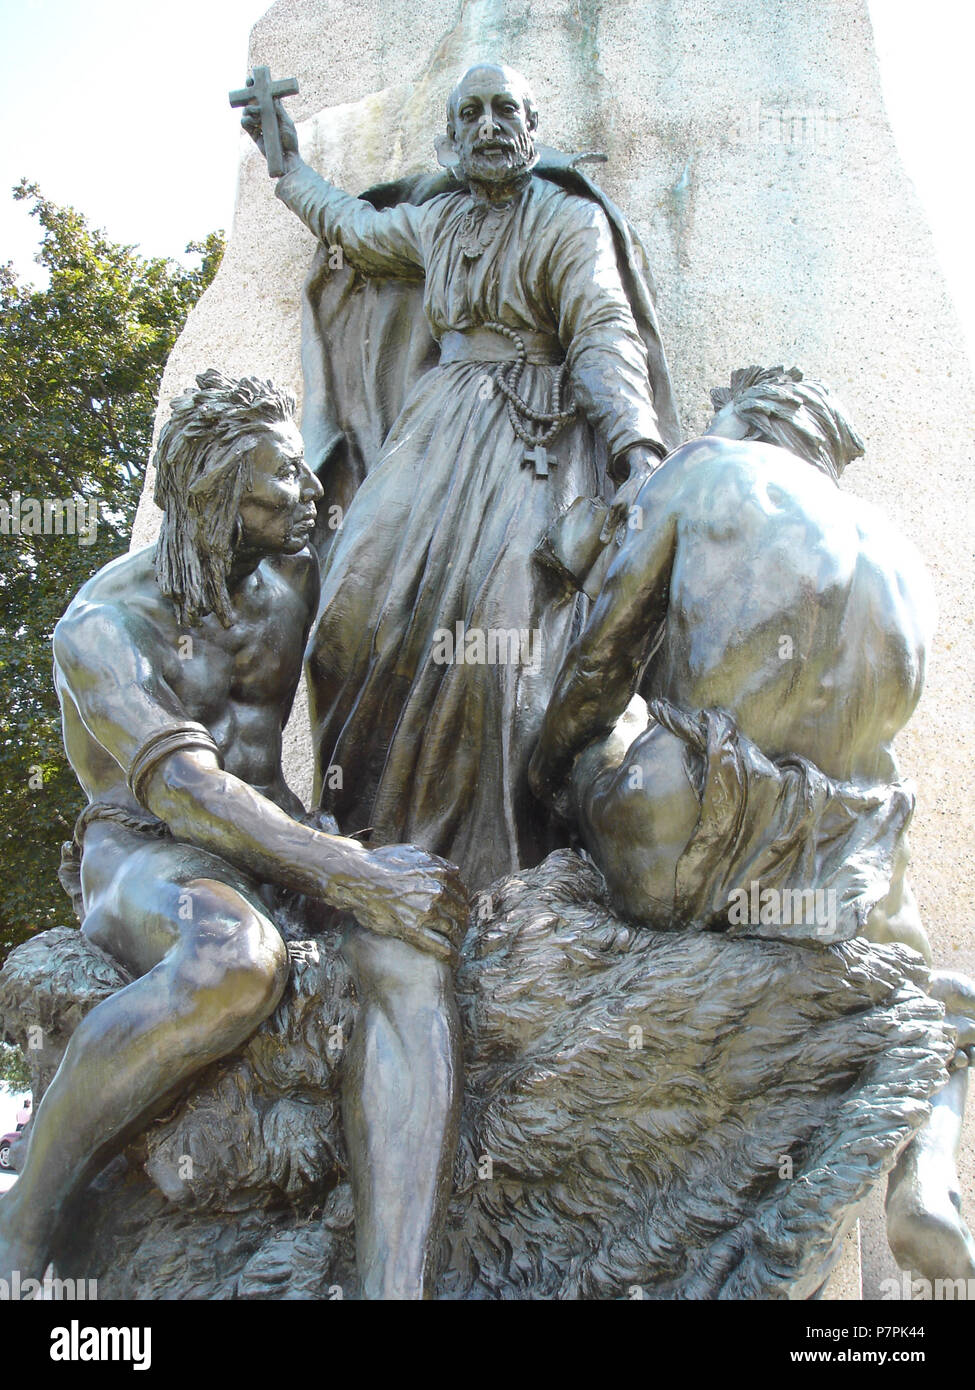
x=925 y=1227
x=222 y=976
x=897 y=918
x=401 y=1110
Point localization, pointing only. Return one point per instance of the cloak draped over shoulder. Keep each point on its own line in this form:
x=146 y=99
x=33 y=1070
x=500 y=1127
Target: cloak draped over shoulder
x=416 y=741
x=783 y=825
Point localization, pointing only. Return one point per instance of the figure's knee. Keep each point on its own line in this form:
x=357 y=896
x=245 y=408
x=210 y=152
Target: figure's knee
x=616 y=821
x=231 y=949
x=395 y=971
x=98 y=927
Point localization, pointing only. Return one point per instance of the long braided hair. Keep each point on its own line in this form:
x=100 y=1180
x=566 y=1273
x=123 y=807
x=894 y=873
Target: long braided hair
x=203 y=469
x=781 y=407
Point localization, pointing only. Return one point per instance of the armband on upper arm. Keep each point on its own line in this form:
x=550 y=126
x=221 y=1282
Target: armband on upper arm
x=174 y=738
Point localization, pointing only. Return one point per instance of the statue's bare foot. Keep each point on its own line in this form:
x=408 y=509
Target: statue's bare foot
x=927 y=1233
x=925 y=1227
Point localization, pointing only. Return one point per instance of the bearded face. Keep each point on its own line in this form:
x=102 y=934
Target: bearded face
x=492 y=123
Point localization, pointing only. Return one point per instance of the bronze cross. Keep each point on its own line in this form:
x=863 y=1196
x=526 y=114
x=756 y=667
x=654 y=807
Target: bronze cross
x=261 y=91
x=541 y=458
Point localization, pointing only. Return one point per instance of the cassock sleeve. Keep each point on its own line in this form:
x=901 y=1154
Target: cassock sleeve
x=383 y=242
x=606 y=356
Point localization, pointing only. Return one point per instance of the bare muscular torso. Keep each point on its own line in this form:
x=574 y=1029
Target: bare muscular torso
x=778 y=598
x=239 y=682
x=792 y=605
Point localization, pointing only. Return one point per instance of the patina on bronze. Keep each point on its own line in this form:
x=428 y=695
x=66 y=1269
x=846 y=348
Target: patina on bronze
x=262 y=92
x=488 y=395
x=779 y=629
x=176 y=668
x=526 y=276
x=752 y=586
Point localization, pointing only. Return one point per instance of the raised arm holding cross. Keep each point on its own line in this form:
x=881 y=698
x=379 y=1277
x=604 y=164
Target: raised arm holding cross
x=258 y=96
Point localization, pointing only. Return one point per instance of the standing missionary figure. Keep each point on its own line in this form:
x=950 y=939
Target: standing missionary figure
x=550 y=384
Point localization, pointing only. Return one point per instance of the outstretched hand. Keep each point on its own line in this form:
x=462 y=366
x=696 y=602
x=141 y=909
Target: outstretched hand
x=418 y=898
x=251 y=122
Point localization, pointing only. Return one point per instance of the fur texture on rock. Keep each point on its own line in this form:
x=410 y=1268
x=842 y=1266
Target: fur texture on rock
x=692 y=1115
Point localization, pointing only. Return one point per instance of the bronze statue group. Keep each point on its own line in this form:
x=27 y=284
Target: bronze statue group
x=726 y=656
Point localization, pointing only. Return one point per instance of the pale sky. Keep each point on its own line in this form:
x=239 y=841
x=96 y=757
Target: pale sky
x=119 y=107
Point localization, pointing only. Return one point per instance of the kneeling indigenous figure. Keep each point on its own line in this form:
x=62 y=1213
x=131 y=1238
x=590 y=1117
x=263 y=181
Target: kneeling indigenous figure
x=778 y=629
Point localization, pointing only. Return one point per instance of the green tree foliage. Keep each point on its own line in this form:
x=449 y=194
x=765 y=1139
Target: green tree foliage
x=13 y=1069
x=80 y=364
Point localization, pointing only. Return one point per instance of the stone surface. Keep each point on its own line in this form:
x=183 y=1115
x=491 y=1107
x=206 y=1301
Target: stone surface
x=749 y=144
x=846 y=1282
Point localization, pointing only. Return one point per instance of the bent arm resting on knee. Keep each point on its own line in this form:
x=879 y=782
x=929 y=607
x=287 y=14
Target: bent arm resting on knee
x=103 y=661
x=396 y=890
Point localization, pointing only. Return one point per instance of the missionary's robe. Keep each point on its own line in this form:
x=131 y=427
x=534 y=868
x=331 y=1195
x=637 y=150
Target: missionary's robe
x=418 y=738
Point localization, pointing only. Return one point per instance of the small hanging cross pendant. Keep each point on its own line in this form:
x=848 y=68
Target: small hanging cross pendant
x=541 y=458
